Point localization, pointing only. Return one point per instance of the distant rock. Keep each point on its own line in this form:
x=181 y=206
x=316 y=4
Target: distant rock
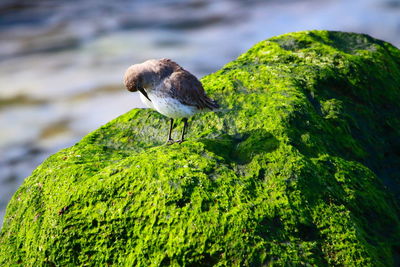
x=299 y=167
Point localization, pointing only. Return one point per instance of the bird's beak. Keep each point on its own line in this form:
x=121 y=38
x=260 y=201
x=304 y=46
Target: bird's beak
x=141 y=90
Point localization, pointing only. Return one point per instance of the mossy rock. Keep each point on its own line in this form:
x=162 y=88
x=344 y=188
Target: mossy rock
x=299 y=167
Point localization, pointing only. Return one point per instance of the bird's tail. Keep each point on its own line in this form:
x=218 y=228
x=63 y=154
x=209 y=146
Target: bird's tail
x=211 y=104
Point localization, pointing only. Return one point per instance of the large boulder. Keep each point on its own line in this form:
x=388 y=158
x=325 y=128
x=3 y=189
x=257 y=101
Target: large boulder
x=299 y=167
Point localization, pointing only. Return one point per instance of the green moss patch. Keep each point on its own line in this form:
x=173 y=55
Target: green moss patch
x=299 y=167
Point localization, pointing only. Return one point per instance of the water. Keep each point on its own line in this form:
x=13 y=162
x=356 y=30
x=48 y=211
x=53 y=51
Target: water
x=62 y=62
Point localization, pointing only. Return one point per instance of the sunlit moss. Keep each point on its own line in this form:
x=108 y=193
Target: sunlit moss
x=291 y=171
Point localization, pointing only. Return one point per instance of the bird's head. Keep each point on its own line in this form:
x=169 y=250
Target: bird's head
x=133 y=78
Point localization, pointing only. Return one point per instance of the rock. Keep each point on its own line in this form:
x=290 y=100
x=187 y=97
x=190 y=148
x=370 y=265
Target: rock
x=299 y=167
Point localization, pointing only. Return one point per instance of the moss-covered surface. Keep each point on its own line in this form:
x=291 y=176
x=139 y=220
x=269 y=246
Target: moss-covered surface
x=300 y=167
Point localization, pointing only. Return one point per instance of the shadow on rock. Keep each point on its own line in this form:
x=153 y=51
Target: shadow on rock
x=243 y=147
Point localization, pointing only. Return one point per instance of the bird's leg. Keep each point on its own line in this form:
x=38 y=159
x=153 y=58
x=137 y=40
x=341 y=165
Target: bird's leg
x=170 y=140
x=185 y=124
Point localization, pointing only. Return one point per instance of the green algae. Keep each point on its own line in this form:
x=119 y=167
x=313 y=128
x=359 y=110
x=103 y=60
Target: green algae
x=299 y=167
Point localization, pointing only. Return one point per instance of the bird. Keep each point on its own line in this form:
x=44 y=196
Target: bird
x=170 y=90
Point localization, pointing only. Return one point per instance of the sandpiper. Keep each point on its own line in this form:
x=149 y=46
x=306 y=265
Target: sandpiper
x=169 y=89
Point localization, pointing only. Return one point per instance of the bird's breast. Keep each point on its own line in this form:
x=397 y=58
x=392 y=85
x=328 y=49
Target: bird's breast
x=172 y=107
x=146 y=101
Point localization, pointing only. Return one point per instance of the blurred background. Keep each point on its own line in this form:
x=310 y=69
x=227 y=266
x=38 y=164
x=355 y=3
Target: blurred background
x=62 y=62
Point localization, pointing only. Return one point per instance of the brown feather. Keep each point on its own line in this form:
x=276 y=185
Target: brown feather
x=188 y=90
x=176 y=82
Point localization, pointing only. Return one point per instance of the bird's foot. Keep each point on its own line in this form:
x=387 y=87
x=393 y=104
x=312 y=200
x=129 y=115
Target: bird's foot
x=170 y=142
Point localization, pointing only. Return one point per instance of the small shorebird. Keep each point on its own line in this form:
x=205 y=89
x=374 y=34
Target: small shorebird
x=169 y=89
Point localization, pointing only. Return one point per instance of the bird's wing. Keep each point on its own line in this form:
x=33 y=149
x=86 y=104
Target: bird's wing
x=188 y=90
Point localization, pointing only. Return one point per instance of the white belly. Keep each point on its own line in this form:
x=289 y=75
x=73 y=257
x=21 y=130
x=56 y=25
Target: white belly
x=169 y=107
